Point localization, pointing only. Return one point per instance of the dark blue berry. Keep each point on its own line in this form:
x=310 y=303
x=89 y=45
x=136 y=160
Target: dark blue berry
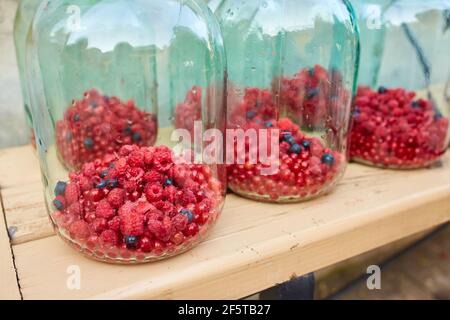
x=113 y=183
x=437 y=116
x=76 y=117
x=88 y=143
x=102 y=184
x=104 y=173
x=168 y=182
x=58 y=204
x=251 y=114
x=93 y=104
x=311 y=93
x=328 y=159
x=137 y=137
x=131 y=242
x=306 y=144
x=415 y=104
x=356 y=113
x=312 y=72
x=127 y=131
x=269 y=124
x=382 y=90
x=295 y=148
x=106 y=99
x=188 y=213
x=60 y=188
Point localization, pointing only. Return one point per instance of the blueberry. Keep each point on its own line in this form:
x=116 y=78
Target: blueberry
x=58 y=204
x=415 y=104
x=131 y=242
x=328 y=159
x=127 y=131
x=251 y=114
x=311 y=93
x=137 y=137
x=60 y=188
x=93 y=104
x=113 y=183
x=188 y=213
x=289 y=138
x=306 y=144
x=168 y=182
x=295 y=148
x=76 y=117
x=268 y=124
x=356 y=112
x=104 y=173
x=102 y=184
x=106 y=99
x=382 y=90
x=312 y=72
x=437 y=116
x=88 y=143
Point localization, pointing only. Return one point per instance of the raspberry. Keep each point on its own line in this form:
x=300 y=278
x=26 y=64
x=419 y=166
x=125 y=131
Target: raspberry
x=153 y=192
x=130 y=185
x=153 y=177
x=145 y=244
x=79 y=230
x=160 y=229
x=104 y=210
x=72 y=193
x=163 y=160
x=187 y=197
x=75 y=209
x=180 y=222
x=109 y=238
x=127 y=208
x=169 y=193
x=99 y=225
x=114 y=223
x=136 y=159
x=191 y=230
x=116 y=198
x=132 y=224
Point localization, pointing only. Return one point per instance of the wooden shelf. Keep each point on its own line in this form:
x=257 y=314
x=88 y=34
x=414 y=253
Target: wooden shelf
x=252 y=247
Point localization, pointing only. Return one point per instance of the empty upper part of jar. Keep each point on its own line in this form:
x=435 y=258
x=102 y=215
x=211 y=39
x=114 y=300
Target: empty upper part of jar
x=401 y=115
x=22 y=24
x=120 y=88
x=291 y=68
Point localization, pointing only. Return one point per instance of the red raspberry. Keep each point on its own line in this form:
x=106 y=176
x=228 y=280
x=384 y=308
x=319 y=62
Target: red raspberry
x=72 y=193
x=191 y=230
x=79 y=230
x=136 y=159
x=104 y=210
x=203 y=207
x=148 y=156
x=187 y=198
x=153 y=192
x=145 y=244
x=126 y=150
x=180 y=222
x=99 y=225
x=153 y=176
x=116 y=198
x=160 y=229
x=75 y=209
x=109 y=237
x=169 y=193
x=168 y=208
x=127 y=208
x=85 y=184
x=132 y=224
x=163 y=160
x=96 y=195
x=114 y=223
x=130 y=185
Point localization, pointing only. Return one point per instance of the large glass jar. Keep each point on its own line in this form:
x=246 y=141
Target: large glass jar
x=119 y=88
x=292 y=69
x=401 y=118
x=22 y=23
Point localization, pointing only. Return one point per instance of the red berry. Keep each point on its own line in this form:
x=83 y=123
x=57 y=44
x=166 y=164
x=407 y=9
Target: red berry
x=72 y=193
x=145 y=244
x=116 y=198
x=114 y=223
x=191 y=230
x=104 y=210
x=132 y=224
x=79 y=230
x=153 y=192
x=109 y=238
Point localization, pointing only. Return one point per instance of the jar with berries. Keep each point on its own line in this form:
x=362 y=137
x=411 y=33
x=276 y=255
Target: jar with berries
x=129 y=106
x=292 y=69
x=400 y=120
x=22 y=24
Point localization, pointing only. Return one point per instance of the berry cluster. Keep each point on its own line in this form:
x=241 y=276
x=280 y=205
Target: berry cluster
x=99 y=125
x=391 y=128
x=313 y=96
x=306 y=167
x=189 y=111
x=138 y=205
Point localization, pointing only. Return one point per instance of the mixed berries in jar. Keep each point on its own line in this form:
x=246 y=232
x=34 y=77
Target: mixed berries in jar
x=401 y=116
x=115 y=108
x=291 y=76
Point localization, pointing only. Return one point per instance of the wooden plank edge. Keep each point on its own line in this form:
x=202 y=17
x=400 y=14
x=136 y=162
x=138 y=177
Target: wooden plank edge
x=273 y=264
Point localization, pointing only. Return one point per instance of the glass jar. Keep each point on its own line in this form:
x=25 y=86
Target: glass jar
x=119 y=87
x=22 y=23
x=292 y=69
x=401 y=118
